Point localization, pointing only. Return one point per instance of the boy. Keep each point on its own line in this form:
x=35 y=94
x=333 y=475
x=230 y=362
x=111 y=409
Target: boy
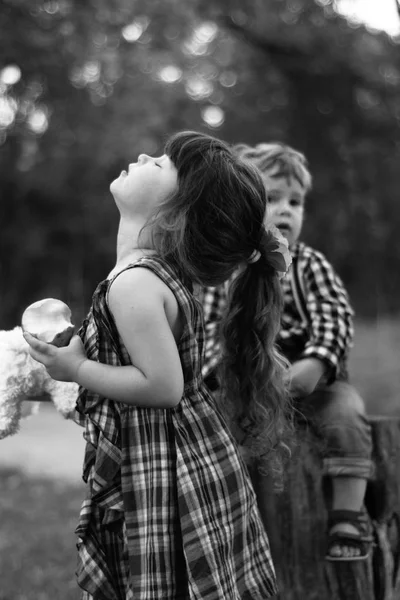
x=316 y=335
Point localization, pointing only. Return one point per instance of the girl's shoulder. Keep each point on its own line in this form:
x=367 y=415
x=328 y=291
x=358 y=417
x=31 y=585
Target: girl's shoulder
x=145 y=276
x=147 y=269
x=149 y=276
x=136 y=282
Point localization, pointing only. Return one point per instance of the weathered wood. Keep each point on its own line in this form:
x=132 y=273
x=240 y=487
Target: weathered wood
x=296 y=522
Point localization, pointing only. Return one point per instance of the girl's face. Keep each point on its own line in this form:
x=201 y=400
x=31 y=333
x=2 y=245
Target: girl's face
x=145 y=185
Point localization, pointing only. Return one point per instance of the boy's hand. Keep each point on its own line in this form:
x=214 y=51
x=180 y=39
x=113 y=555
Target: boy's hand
x=304 y=376
x=61 y=364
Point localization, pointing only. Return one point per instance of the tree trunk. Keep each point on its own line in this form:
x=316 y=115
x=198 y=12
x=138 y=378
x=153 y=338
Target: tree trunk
x=296 y=522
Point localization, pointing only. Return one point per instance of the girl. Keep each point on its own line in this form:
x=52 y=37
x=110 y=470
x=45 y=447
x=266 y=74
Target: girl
x=170 y=512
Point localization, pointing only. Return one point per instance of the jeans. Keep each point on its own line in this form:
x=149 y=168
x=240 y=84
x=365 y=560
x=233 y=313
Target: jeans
x=337 y=415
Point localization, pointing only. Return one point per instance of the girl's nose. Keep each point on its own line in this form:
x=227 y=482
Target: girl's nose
x=143 y=158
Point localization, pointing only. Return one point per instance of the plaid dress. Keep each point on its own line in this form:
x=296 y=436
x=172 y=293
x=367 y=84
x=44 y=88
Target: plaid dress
x=170 y=513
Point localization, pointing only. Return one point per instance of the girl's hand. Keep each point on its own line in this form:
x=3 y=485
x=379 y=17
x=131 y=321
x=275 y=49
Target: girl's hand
x=61 y=364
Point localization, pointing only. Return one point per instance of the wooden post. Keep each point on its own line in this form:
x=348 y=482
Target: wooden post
x=296 y=522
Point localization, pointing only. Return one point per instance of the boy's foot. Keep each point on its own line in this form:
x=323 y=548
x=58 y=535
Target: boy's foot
x=349 y=536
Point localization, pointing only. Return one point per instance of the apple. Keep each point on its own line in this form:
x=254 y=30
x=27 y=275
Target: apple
x=49 y=320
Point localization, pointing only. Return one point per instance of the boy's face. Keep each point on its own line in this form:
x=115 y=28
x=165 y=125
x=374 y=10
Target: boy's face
x=285 y=205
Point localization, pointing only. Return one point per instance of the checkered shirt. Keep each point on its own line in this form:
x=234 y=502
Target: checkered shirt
x=170 y=512
x=327 y=332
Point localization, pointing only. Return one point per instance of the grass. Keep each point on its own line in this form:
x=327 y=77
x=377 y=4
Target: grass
x=37 y=542
x=38 y=516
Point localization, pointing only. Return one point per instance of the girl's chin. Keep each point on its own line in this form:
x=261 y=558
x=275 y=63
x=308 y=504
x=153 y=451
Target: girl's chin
x=114 y=186
x=122 y=175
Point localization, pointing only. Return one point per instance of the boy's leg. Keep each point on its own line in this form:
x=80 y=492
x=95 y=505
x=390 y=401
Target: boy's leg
x=338 y=414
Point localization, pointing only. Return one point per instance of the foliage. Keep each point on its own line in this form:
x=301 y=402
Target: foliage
x=101 y=81
x=374 y=364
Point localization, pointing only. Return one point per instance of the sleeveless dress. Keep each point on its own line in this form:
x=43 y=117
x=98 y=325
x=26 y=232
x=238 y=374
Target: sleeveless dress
x=170 y=513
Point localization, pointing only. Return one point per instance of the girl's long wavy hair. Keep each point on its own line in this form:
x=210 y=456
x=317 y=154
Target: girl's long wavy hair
x=209 y=229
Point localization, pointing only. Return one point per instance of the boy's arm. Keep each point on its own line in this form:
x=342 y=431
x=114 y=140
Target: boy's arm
x=331 y=316
x=214 y=301
x=304 y=376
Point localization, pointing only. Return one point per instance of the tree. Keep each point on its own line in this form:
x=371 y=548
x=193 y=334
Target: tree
x=85 y=86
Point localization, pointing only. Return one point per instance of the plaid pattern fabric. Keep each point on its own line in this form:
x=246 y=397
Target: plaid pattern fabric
x=327 y=335
x=214 y=302
x=170 y=512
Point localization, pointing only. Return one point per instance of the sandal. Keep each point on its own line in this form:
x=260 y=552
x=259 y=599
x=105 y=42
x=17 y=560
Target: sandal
x=362 y=540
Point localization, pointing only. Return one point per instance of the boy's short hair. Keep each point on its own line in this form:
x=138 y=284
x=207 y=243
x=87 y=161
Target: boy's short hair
x=283 y=160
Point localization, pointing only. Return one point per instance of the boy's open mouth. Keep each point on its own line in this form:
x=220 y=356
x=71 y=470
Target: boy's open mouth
x=283 y=227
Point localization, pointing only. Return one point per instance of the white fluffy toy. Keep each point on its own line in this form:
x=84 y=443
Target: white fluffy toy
x=21 y=377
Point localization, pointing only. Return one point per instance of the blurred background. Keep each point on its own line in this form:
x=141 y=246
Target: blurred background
x=85 y=86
